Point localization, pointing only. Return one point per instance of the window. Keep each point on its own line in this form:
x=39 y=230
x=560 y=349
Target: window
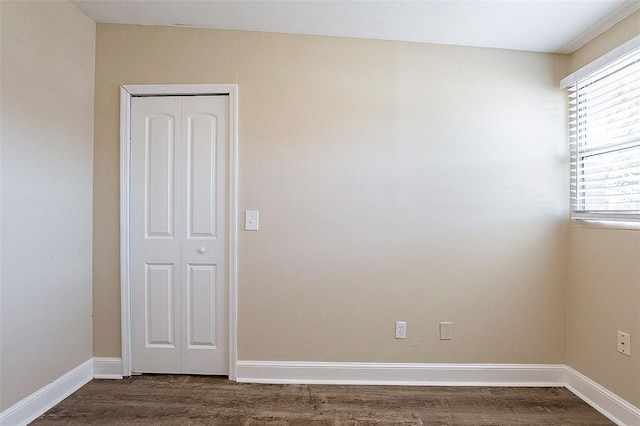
x=604 y=126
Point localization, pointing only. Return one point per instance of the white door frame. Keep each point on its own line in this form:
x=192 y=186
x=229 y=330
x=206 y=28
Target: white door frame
x=126 y=93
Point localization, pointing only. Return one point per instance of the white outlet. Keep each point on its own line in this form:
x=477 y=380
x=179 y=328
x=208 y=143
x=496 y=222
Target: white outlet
x=445 y=330
x=624 y=343
x=401 y=330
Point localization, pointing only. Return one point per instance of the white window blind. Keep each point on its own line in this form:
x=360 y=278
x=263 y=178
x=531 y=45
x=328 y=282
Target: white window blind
x=605 y=142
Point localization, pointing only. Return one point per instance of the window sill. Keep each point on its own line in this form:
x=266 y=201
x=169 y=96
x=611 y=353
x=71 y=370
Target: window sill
x=606 y=224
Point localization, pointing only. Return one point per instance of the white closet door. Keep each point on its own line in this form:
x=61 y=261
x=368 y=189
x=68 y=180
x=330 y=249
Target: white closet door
x=178 y=234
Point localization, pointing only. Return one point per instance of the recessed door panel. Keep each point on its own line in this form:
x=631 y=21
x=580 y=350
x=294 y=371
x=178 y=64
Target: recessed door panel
x=159 y=306
x=201 y=175
x=201 y=307
x=159 y=182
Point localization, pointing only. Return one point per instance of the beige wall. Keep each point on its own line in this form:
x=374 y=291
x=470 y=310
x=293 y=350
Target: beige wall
x=603 y=293
x=48 y=53
x=395 y=181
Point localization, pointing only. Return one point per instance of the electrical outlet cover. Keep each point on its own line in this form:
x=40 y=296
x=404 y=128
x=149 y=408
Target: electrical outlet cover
x=624 y=343
x=445 y=330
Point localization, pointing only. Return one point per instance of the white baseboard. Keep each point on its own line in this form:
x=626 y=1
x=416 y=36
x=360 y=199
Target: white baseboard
x=611 y=405
x=107 y=368
x=413 y=374
x=39 y=402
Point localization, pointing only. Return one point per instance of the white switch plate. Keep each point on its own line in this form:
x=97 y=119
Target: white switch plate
x=624 y=343
x=401 y=330
x=251 y=220
x=445 y=330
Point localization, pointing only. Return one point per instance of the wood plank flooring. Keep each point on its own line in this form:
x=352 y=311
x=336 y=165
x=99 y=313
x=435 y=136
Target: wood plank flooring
x=206 y=400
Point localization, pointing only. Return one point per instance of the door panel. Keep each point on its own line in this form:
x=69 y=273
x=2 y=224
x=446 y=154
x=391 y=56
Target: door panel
x=178 y=234
x=201 y=177
x=156 y=129
x=159 y=180
x=159 y=304
x=201 y=307
x=205 y=132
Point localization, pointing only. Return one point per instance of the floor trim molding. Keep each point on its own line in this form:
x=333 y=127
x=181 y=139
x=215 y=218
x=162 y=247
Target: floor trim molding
x=107 y=368
x=609 y=404
x=606 y=402
x=412 y=374
x=25 y=411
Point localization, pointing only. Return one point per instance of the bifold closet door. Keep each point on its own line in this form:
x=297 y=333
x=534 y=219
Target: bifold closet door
x=178 y=234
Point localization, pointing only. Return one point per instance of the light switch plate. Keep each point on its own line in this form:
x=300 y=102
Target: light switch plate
x=251 y=220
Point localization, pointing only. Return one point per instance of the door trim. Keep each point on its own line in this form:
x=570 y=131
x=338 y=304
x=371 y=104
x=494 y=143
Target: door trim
x=126 y=93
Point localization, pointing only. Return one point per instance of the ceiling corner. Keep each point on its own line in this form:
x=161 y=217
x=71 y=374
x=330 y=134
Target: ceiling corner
x=626 y=9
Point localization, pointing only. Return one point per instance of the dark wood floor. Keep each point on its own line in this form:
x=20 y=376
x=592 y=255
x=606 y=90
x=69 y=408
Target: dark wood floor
x=202 y=400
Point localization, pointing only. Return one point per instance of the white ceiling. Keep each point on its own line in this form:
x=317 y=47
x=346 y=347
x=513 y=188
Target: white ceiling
x=560 y=26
